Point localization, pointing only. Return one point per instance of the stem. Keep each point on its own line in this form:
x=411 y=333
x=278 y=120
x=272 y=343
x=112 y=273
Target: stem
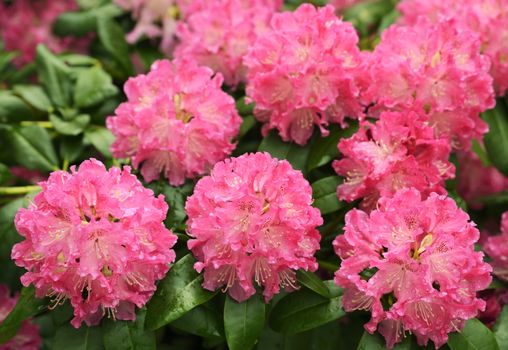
x=42 y=124
x=13 y=191
x=328 y=266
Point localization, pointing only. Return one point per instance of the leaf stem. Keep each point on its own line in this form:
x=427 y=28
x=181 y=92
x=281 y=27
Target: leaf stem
x=42 y=124
x=18 y=190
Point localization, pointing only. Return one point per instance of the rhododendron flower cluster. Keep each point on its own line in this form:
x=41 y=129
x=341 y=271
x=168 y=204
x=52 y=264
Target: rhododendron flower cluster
x=97 y=238
x=27 y=337
x=412 y=264
x=396 y=152
x=488 y=18
x=26 y=23
x=438 y=66
x=252 y=219
x=497 y=248
x=177 y=121
x=218 y=33
x=304 y=71
x=476 y=180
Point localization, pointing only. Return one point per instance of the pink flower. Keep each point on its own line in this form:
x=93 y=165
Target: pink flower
x=476 y=180
x=343 y=4
x=27 y=337
x=26 y=23
x=412 y=264
x=495 y=300
x=27 y=175
x=398 y=151
x=221 y=41
x=252 y=219
x=437 y=66
x=97 y=238
x=304 y=71
x=497 y=248
x=488 y=18
x=177 y=121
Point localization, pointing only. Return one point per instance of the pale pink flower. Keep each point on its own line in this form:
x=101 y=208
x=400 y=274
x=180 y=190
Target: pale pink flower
x=399 y=150
x=412 y=264
x=26 y=23
x=27 y=337
x=251 y=221
x=304 y=71
x=497 y=248
x=437 y=66
x=219 y=33
x=177 y=121
x=475 y=180
x=488 y=18
x=97 y=238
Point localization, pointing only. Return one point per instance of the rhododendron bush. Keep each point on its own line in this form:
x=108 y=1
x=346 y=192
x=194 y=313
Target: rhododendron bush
x=253 y=174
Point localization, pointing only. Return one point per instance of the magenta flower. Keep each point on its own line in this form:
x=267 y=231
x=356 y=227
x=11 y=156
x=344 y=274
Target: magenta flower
x=26 y=23
x=488 y=18
x=304 y=71
x=27 y=337
x=177 y=121
x=412 y=264
x=398 y=151
x=497 y=248
x=252 y=219
x=97 y=238
x=221 y=41
x=437 y=66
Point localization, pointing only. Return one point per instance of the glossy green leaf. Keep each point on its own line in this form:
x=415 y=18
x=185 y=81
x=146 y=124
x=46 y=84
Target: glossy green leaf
x=178 y=293
x=112 y=37
x=71 y=148
x=243 y=322
x=82 y=22
x=5 y=174
x=34 y=95
x=313 y=282
x=501 y=329
x=377 y=342
x=72 y=127
x=496 y=140
x=13 y=108
x=325 y=194
x=293 y=153
x=247 y=124
x=55 y=76
x=83 y=338
x=93 y=86
x=101 y=138
x=27 y=306
x=128 y=335
x=474 y=336
x=201 y=321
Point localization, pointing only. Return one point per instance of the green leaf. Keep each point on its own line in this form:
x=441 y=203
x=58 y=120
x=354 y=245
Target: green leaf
x=55 y=76
x=178 y=293
x=247 y=124
x=474 y=336
x=13 y=108
x=313 y=282
x=501 y=329
x=367 y=14
x=82 y=22
x=83 y=338
x=376 y=342
x=388 y=20
x=34 y=95
x=201 y=321
x=101 y=138
x=128 y=335
x=176 y=198
x=112 y=37
x=303 y=310
x=73 y=127
x=481 y=153
x=496 y=140
x=243 y=322
x=5 y=174
x=293 y=153
x=324 y=149
x=93 y=86
x=243 y=108
x=325 y=194
x=71 y=148
x=27 y=306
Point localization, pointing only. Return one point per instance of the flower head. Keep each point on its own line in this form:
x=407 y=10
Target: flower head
x=252 y=219
x=221 y=41
x=437 y=66
x=412 y=264
x=97 y=238
x=398 y=151
x=177 y=121
x=26 y=23
x=304 y=71
x=497 y=248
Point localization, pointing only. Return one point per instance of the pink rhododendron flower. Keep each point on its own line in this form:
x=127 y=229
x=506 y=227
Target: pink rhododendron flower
x=303 y=72
x=97 y=238
x=343 y=4
x=28 y=175
x=252 y=219
x=177 y=121
x=398 y=151
x=412 y=264
x=27 y=337
x=497 y=248
x=475 y=180
x=495 y=300
x=219 y=33
x=488 y=18
x=26 y=23
x=439 y=67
